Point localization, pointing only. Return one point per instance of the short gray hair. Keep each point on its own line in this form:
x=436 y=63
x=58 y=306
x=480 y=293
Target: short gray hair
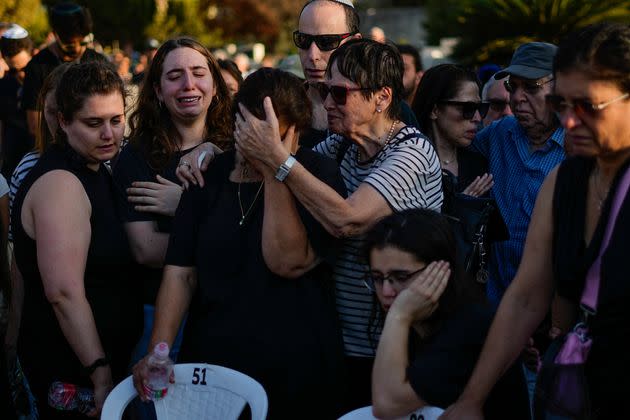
x=486 y=88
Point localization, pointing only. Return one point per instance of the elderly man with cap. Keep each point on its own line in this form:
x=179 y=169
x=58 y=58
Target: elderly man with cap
x=521 y=150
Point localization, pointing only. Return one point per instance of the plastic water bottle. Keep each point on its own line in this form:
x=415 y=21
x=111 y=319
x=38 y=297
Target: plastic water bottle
x=160 y=367
x=69 y=397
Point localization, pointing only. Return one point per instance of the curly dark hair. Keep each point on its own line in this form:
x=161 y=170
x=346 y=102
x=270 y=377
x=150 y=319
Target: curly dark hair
x=151 y=126
x=79 y=82
x=601 y=50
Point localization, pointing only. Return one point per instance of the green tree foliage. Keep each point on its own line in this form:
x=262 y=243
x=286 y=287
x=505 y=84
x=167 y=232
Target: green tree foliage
x=490 y=30
x=27 y=13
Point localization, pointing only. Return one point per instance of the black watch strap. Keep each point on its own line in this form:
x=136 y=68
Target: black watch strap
x=89 y=370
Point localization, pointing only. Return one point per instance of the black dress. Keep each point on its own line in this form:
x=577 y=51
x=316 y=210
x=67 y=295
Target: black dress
x=282 y=332
x=607 y=368
x=110 y=287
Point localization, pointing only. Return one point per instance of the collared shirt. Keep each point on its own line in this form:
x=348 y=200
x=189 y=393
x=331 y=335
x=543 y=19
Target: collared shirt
x=518 y=175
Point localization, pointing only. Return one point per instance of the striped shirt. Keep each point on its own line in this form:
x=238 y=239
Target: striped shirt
x=406 y=172
x=24 y=167
x=518 y=175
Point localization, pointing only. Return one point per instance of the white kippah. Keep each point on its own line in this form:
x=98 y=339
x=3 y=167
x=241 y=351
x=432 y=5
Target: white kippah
x=346 y=2
x=15 y=31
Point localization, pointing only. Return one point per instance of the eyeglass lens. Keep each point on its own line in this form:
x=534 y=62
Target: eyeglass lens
x=323 y=42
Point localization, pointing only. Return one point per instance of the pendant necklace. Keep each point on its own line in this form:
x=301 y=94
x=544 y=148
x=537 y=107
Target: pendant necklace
x=244 y=213
x=600 y=196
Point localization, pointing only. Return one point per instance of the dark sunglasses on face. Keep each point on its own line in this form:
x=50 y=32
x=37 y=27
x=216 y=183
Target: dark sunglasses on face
x=529 y=87
x=398 y=279
x=324 y=42
x=581 y=107
x=497 y=105
x=469 y=108
x=338 y=93
x=71 y=48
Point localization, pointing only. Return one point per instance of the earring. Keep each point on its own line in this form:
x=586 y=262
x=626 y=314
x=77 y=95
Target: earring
x=379 y=110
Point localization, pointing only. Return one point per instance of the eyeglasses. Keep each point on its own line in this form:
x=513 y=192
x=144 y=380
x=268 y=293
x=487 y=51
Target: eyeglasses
x=338 y=93
x=529 y=87
x=398 y=279
x=324 y=42
x=469 y=108
x=497 y=105
x=581 y=107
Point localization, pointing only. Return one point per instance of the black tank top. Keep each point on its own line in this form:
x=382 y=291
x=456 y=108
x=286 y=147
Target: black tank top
x=608 y=371
x=110 y=286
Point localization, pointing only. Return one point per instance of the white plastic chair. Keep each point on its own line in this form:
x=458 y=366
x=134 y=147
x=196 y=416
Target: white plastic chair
x=365 y=413
x=200 y=391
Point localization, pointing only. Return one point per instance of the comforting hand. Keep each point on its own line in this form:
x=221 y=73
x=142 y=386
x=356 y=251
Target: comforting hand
x=160 y=197
x=192 y=164
x=259 y=139
x=420 y=299
x=479 y=186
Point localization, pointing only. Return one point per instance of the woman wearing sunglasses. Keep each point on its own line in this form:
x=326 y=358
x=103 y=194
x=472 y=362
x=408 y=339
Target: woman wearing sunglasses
x=572 y=212
x=387 y=167
x=450 y=111
x=433 y=330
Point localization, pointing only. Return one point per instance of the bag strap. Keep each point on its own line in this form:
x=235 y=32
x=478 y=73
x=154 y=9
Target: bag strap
x=593 y=277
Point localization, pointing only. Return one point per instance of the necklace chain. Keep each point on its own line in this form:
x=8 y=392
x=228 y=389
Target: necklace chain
x=244 y=213
x=600 y=195
x=390 y=135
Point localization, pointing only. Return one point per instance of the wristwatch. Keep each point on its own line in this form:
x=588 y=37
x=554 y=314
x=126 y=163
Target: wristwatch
x=285 y=168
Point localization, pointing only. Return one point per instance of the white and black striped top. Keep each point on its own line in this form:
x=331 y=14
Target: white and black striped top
x=21 y=170
x=406 y=172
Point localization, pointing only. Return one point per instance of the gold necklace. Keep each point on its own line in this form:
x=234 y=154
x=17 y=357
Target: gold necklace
x=244 y=213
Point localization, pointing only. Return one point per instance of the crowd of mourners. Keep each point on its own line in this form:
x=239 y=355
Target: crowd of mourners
x=370 y=236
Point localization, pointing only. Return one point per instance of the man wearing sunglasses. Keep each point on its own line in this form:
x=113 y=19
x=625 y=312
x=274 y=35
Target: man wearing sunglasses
x=521 y=150
x=498 y=98
x=324 y=25
x=72 y=29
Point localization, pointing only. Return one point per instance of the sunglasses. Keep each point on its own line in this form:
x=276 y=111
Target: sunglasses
x=469 y=108
x=324 y=42
x=70 y=48
x=529 y=87
x=497 y=105
x=338 y=93
x=398 y=279
x=581 y=107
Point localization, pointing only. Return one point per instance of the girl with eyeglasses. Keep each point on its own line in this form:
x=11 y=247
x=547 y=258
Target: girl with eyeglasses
x=449 y=110
x=566 y=234
x=433 y=329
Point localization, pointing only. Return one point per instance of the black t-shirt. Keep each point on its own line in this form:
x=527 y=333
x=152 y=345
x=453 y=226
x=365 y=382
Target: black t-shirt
x=282 y=332
x=440 y=368
x=132 y=166
x=38 y=69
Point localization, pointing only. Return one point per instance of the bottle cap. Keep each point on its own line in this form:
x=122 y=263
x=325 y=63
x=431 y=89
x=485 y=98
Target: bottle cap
x=161 y=350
